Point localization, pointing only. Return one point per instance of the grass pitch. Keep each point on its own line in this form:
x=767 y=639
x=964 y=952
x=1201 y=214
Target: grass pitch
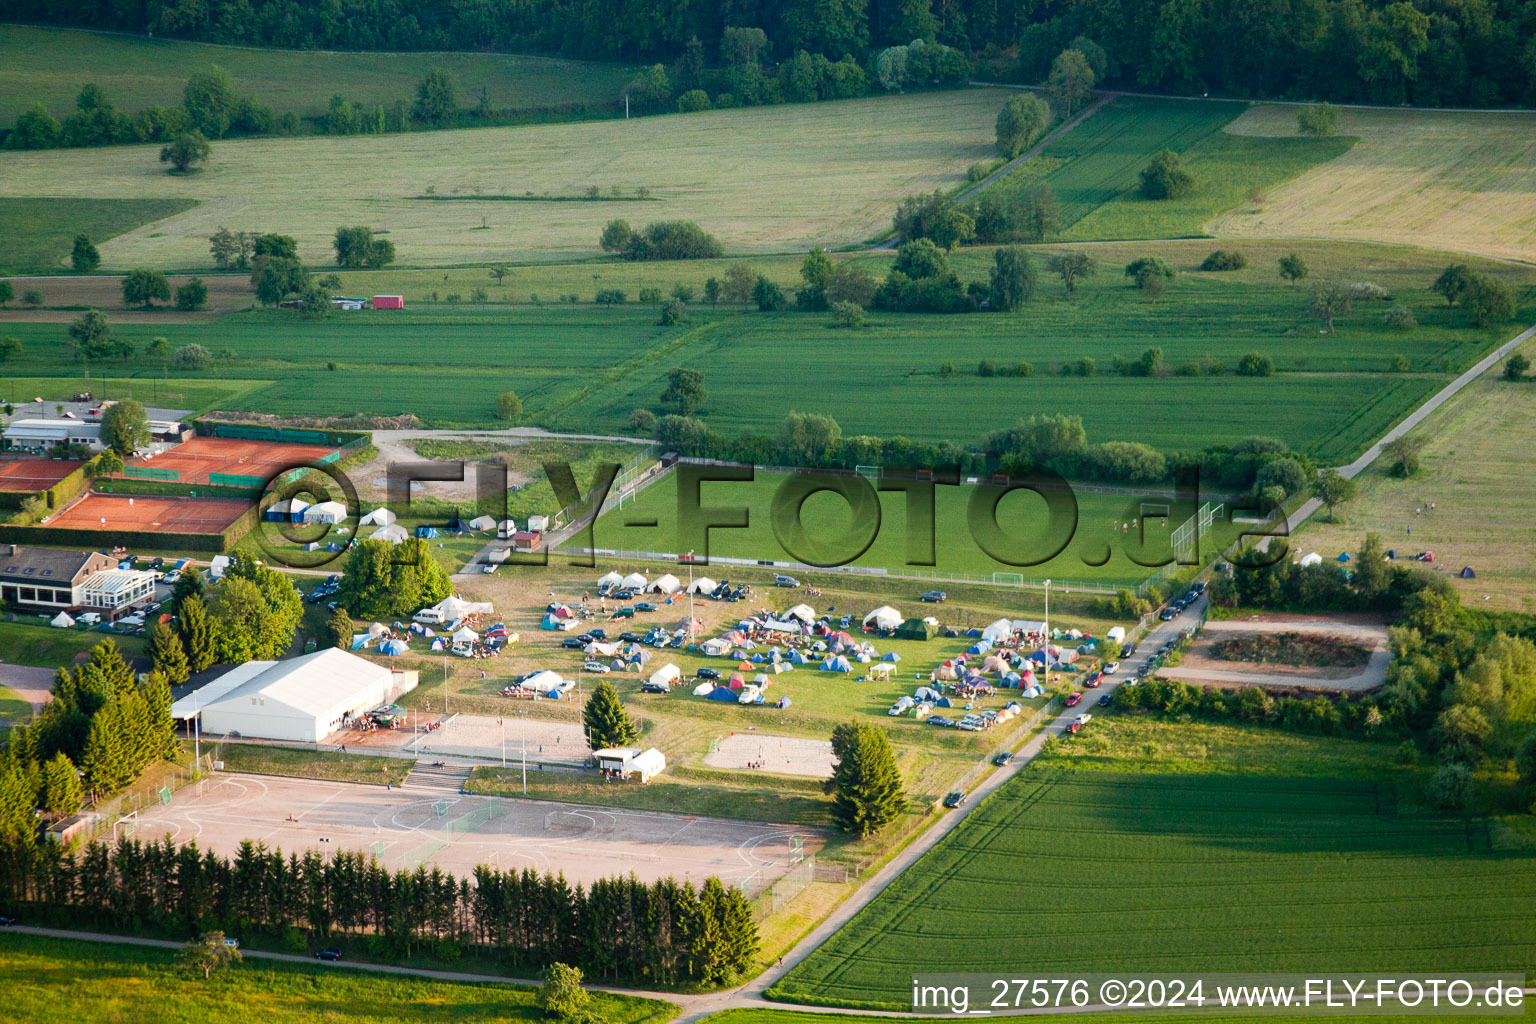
x=1176 y=868
x=49 y=65
x=761 y=179
x=1446 y=180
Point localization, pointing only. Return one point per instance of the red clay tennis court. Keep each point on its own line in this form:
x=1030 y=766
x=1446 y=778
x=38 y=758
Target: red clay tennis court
x=33 y=474
x=193 y=460
x=173 y=515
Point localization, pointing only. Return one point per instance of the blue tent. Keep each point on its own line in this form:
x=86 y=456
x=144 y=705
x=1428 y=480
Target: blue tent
x=796 y=658
x=943 y=702
x=640 y=657
x=1343 y=556
x=981 y=647
x=971 y=632
x=722 y=693
x=549 y=622
x=333 y=546
x=758 y=658
x=890 y=656
x=426 y=532
x=394 y=647
x=836 y=663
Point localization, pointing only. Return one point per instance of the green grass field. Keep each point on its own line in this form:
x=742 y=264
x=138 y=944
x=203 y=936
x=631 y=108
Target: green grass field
x=13 y=710
x=756 y=1016
x=32 y=642
x=828 y=524
x=1101 y=158
x=49 y=66
x=762 y=179
x=59 y=979
x=331 y=765
x=1174 y=867
x=36 y=232
x=192 y=394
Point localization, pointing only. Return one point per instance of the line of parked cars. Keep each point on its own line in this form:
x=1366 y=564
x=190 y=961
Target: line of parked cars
x=327 y=589
x=1176 y=606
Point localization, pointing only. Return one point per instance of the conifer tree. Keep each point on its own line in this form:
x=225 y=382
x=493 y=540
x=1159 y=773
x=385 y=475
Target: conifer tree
x=61 y=786
x=196 y=633
x=866 y=784
x=608 y=724
x=167 y=654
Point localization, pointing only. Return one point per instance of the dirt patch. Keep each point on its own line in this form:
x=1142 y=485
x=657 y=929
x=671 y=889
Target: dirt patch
x=64 y=297
x=1302 y=650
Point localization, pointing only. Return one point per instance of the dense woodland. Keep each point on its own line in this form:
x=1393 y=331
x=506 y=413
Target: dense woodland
x=1425 y=52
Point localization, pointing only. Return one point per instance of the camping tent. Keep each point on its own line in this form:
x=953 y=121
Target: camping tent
x=917 y=629
x=465 y=635
x=665 y=676
x=1311 y=559
x=715 y=647
x=723 y=693
x=702 y=585
x=797 y=658
x=836 y=663
x=980 y=647
x=890 y=656
x=803 y=612
x=329 y=512
x=1467 y=573
x=634 y=581
x=703 y=689
x=394 y=647
x=482 y=523
x=884 y=617
x=378 y=517
x=62 y=620
x=609 y=579
x=667 y=584
x=1343 y=556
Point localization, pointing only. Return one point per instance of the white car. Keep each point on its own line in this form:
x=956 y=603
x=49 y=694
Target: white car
x=1111 y=668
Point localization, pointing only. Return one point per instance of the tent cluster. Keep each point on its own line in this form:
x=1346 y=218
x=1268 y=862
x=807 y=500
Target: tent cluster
x=735 y=689
x=541 y=685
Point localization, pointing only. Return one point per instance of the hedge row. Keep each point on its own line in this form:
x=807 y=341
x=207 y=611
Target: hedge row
x=176 y=489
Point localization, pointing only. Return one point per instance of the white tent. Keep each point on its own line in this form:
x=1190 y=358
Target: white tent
x=465 y=635
x=378 y=629
x=702 y=585
x=601 y=649
x=455 y=607
x=543 y=681
x=882 y=670
x=330 y=512
x=704 y=689
x=884 y=617
x=1002 y=629
x=482 y=523
x=288 y=506
x=301 y=699
x=667 y=584
x=665 y=676
x=393 y=533
x=609 y=579
x=803 y=612
x=62 y=620
x=378 y=517
x=634 y=581
x=1311 y=559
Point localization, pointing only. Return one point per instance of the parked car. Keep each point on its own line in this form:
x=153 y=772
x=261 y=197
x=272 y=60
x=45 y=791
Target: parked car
x=1094 y=679
x=329 y=953
x=644 y=606
x=933 y=596
x=574 y=643
x=623 y=613
x=780 y=580
x=1073 y=699
x=1112 y=668
x=1127 y=650
x=947 y=723
x=707 y=673
x=231 y=942
x=1003 y=758
x=956 y=798
x=6 y=922
x=623 y=594
x=1167 y=613
x=594 y=666
x=650 y=687
x=629 y=636
x=1104 y=700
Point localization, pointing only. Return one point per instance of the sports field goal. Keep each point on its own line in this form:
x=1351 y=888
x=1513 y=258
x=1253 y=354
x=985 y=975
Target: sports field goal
x=165 y=794
x=472 y=822
x=378 y=851
x=440 y=807
x=419 y=855
x=1013 y=578
x=1186 y=539
x=869 y=472
x=1155 y=508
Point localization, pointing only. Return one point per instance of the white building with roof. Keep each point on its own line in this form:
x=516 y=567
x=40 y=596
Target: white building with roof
x=39 y=435
x=112 y=590
x=301 y=699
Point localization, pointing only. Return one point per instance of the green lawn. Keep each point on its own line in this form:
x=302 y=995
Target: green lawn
x=829 y=524
x=13 y=710
x=194 y=394
x=36 y=232
x=49 y=65
x=49 y=980
x=331 y=765
x=802 y=1017
x=32 y=642
x=1186 y=866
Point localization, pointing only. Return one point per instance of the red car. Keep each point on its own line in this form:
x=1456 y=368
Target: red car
x=1073 y=698
x=1095 y=679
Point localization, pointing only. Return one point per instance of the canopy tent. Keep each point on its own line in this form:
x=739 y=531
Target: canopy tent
x=599 y=648
x=1002 y=629
x=804 y=612
x=702 y=585
x=482 y=523
x=465 y=635
x=62 y=620
x=884 y=617
x=917 y=629
x=882 y=670
x=609 y=579
x=329 y=512
x=393 y=534
x=667 y=675
x=667 y=584
x=455 y=607
x=378 y=517
x=634 y=581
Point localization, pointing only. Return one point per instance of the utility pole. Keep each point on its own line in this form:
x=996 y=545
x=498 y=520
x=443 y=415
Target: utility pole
x=690 y=595
x=1047 y=651
x=524 y=716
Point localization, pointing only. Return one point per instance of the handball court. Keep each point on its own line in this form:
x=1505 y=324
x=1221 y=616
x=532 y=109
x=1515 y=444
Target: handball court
x=141 y=513
x=410 y=828
x=195 y=459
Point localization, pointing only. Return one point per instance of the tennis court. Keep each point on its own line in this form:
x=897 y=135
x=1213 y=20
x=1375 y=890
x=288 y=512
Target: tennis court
x=33 y=474
x=195 y=459
x=173 y=515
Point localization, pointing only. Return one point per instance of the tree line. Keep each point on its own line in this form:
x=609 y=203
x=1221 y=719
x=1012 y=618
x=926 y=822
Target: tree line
x=1416 y=51
x=666 y=933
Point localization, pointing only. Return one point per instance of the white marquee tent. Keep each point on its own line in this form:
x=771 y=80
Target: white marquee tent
x=884 y=617
x=702 y=585
x=667 y=584
x=634 y=581
x=393 y=533
x=329 y=512
x=378 y=517
x=803 y=612
x=609 y=579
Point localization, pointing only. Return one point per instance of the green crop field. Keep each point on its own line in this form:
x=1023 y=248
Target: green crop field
x=1101 y=158
x=1094 y=870
x=48 y=66
x=48 y=980
x=757 y=1016
x=36 y=232
x=762 y=179
x=829 y=523
x=192 y=395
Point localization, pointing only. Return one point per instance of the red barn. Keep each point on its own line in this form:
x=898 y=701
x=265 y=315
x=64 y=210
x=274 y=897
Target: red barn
x=389 y=302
